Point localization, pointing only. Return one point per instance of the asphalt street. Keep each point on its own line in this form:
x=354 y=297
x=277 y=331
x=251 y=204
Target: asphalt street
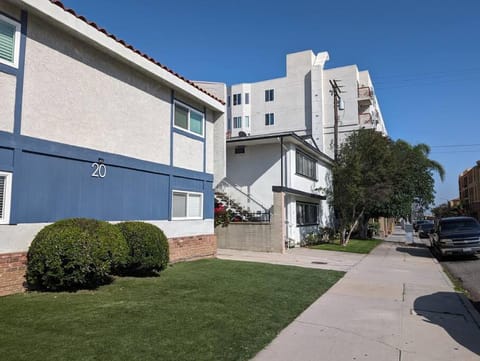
x=467 y=270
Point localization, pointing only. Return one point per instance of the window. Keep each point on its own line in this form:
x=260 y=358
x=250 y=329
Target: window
x=269 y=95
x=237 y=122
x=305 y=165
x=237 y=99
x=188 y=119
x=240 y=149
x=247 y=121
x=269 y=119
x=229 y=124
x=187 y=205
x=9 y=41
x=228 y=101
x=307 y=213
x=247 y=98
x=5 y=190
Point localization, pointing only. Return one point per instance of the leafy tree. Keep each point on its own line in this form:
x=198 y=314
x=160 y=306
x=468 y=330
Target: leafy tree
x=375 y=176
x=413 y=178
x=444 y=210
x=361 y=179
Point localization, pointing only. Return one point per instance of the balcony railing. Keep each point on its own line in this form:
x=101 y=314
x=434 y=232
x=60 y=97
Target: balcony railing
x=245 y=200
x=365 y=95
x=365 y=118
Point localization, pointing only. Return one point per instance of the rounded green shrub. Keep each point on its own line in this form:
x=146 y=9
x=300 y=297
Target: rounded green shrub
x=75 y=253
x=148 y=248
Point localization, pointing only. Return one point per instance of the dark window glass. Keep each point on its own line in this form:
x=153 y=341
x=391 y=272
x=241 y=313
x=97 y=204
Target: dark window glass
x=307 y=213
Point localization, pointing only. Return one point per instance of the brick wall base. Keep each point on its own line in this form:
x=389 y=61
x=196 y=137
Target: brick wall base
x=14 y=265
x=12 y=273
x=191 y=248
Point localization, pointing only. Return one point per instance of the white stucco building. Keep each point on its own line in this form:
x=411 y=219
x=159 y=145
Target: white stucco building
x=283 y=163
x=301 y=104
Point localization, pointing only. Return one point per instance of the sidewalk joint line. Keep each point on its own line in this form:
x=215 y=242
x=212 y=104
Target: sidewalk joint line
x=350 y=332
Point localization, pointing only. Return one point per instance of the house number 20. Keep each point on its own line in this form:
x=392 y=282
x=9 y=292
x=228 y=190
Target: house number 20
x=99 y=170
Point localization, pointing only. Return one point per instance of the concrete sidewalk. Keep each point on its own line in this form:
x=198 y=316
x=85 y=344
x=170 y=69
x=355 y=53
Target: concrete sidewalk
x=301 y=257
x=395 y=304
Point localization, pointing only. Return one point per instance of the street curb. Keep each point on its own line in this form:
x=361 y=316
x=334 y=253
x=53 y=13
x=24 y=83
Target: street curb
x=471 y=310
x=463 y=298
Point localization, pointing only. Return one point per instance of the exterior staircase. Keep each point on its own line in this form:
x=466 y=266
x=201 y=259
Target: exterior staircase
x=228 y=196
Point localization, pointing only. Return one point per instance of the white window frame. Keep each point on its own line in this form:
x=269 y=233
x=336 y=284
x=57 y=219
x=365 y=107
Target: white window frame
x=16 y=50
x=237 y=122
x=5 y=218
x=269 y=119
x=190 y=109
x=188 y=196
x=310 y=162
x=269 y=95
x=237 y=99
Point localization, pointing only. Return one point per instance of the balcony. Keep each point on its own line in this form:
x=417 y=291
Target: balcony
x=365 y=96
x=365 y=118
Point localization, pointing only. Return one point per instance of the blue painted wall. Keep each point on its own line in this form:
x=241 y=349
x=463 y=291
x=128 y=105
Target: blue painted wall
x=52 y=181
x=55 y=188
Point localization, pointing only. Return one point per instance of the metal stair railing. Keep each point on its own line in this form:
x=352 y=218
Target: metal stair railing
x=245 y=200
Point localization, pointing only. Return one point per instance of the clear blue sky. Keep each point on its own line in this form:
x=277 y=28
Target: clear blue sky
x=423 y=55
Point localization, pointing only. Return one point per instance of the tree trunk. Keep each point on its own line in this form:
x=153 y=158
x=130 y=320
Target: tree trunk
x=353 y=227
x=364 y=227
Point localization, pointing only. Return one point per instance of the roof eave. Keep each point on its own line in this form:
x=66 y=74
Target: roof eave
x=120 y=50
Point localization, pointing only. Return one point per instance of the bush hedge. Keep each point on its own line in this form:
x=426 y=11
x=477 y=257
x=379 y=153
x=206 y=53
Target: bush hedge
x=148 y=246
x=75 y=253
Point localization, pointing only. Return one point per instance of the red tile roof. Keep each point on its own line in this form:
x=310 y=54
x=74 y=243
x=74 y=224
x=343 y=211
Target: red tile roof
x=94 y=25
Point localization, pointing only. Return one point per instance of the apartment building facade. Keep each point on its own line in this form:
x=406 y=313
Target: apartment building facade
x=301 y=103
x=469 y=190
x=91 y=127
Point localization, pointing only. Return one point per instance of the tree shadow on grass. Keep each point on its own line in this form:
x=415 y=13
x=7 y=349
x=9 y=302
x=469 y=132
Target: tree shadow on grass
x=447 y=310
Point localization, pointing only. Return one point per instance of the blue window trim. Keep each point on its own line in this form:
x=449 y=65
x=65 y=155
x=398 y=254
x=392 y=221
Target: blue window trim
x=205 y=140
x=7 y=69
x=17 y=120
x=172 y=119
x=188 y=134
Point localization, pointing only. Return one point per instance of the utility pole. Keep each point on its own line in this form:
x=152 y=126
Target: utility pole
x=336 y=91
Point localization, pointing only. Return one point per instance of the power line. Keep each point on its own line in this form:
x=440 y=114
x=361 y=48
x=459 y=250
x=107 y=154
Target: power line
x=455 y=151
x=455 y=145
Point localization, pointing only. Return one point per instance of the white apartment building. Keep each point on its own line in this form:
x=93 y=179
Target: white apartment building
x=298 y=106
x=302 y=102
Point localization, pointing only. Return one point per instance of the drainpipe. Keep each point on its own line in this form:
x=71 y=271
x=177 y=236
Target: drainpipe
x=281 y=161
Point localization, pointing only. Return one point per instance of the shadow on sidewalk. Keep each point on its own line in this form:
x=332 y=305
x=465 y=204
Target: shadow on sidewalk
x=447 y=311
x=419 y=251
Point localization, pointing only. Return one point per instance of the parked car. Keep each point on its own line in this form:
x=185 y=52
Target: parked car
x=417 y=224
x=456 y=235
x=424 y=229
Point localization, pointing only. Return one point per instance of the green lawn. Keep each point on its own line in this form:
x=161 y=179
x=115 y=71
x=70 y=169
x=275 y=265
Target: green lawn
x=203 y=310
x=353 y=246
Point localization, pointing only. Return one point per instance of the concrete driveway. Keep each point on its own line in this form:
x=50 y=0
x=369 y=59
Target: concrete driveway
x=301 y=257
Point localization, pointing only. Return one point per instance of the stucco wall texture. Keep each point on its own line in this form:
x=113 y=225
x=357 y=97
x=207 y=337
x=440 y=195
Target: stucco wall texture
x=77 y=95
x=7 y=101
